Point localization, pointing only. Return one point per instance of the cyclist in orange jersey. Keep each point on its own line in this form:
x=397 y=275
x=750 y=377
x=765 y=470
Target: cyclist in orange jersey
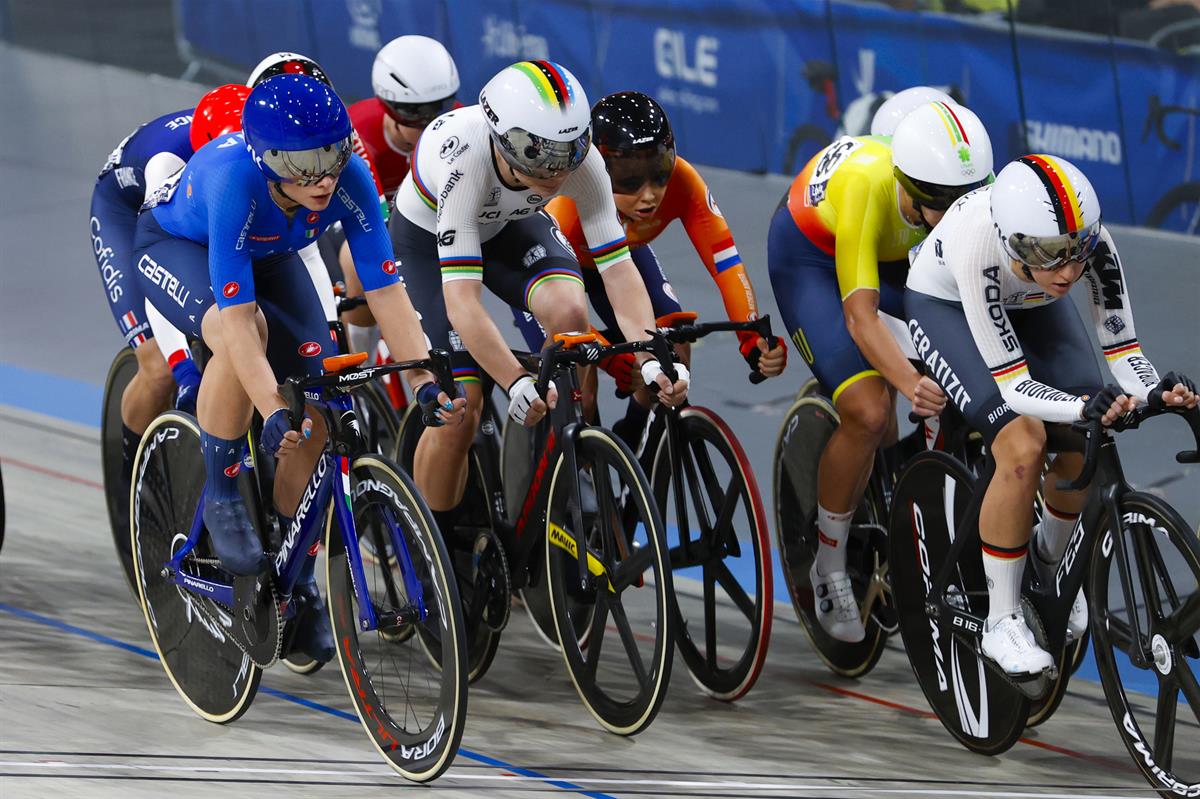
x=652 y=187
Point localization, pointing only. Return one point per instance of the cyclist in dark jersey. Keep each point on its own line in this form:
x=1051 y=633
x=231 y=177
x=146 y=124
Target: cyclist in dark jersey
x=143 y=160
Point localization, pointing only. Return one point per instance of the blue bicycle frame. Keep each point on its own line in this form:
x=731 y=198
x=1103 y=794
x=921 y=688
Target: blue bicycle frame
x=301 y=537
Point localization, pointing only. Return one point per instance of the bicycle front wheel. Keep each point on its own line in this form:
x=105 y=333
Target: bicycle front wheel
x=1144 y=599
x=622 y=670
x=720 y=546
x=412 y=711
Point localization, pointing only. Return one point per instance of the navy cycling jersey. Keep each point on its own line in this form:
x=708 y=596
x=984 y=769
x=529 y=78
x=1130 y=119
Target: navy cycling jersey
x=169 y=133
x=222 y=200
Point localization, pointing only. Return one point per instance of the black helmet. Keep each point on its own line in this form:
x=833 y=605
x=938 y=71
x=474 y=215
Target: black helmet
x=632 y=133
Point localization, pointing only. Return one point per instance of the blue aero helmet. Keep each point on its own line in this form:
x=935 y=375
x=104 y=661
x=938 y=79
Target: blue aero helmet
x=297 y=130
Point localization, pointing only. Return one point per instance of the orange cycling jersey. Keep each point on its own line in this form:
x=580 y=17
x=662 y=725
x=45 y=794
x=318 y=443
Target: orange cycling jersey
x=687 y=198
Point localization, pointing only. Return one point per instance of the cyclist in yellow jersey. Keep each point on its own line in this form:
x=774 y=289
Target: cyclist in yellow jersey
x=837 y=255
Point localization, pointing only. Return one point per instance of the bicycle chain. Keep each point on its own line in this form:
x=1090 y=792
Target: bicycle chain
x=218 y=625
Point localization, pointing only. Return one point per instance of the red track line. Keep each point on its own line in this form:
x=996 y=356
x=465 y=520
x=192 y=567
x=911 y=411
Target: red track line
x=1097 y=759
x=52 y=473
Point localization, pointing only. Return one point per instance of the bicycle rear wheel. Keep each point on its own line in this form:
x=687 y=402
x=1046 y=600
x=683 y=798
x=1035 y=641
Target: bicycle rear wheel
x=483 y=585
x=719 y=539
x=984 y=711
x=622 y=671
x=212 y=674
x=412 y=711
x=806 y=429
x=1144 y=599
x=116 y=490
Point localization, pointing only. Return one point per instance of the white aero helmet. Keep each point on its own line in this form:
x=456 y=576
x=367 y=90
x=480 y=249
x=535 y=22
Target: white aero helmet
x=539 y=117
x=285 y=63
x=940 y=152
x=415 y=79
x=901 y=104
x=1045 y=211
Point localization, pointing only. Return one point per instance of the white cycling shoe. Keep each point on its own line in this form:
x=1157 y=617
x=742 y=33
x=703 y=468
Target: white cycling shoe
x=837 y=610
x=1010 y=643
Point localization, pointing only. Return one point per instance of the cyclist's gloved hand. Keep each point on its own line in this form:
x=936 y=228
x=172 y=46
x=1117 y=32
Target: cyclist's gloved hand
x=1164 y=395
x=187 y=377
x=278 y=435
x=524 y=404
x=1106 y=405
x=434 y=410
x=767 y=357
x=621 y=367
x=672 y=394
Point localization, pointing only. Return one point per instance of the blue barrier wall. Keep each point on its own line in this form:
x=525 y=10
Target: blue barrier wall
x=760 y=86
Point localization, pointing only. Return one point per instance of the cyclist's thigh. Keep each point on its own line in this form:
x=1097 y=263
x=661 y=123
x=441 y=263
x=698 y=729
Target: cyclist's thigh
x=806 y=289
x=172 y=275
x=1057 y=347
x=113 y=225
x=417 y=261
x=943 y=342
x=526 y=255
x=297 y=331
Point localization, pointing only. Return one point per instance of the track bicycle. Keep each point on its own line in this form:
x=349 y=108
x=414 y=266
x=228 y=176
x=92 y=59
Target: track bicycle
x=716 y=527
x=1139 y=564
x=609 y=610
x=214 y=632
x=376 y=412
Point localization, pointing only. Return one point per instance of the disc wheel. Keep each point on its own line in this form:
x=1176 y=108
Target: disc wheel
x=1144 y=599
x=116 y=489
x=806 y=429
x=484 y=584
x=720 y=553
x=984 y=711
x=412 y=711
x=622 y=671
x=521 y=452
x=190 y=633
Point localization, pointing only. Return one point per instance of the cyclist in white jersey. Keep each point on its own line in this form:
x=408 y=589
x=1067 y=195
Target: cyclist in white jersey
x=984 y=315
x=469 y=213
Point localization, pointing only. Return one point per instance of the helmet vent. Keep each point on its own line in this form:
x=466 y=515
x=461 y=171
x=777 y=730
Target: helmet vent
x=396 y=78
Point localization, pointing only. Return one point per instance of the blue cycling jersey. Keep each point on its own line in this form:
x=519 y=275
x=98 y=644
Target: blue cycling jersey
x=223 y=201
x=169 y=133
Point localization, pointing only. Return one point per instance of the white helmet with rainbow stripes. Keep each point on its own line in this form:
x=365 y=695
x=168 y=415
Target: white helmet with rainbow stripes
x=539 y=117
x=1045 y=211
x=940 y=152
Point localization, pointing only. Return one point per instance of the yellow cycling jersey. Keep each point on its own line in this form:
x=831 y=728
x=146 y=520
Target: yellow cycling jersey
x=846 y=201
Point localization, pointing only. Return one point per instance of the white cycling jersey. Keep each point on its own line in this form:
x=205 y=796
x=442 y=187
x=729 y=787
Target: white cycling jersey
x=454 y=191
x=963 y=261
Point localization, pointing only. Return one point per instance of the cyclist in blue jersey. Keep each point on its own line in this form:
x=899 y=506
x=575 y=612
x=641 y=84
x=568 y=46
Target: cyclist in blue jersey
x=216 y=254
x=143 y=160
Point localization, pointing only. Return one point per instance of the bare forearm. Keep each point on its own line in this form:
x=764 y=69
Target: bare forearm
x=881 y=350
x=484 y=340
x=629 y=300
x=400 y=327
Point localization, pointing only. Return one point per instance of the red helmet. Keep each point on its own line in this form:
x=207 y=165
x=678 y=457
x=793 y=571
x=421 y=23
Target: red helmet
x=218 y=112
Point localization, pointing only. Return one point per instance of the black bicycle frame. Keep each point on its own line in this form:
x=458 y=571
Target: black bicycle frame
x=1053 y=600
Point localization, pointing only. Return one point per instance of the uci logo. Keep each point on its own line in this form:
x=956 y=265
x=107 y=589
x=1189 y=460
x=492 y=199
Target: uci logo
x=231 y=289
x=309 y=349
